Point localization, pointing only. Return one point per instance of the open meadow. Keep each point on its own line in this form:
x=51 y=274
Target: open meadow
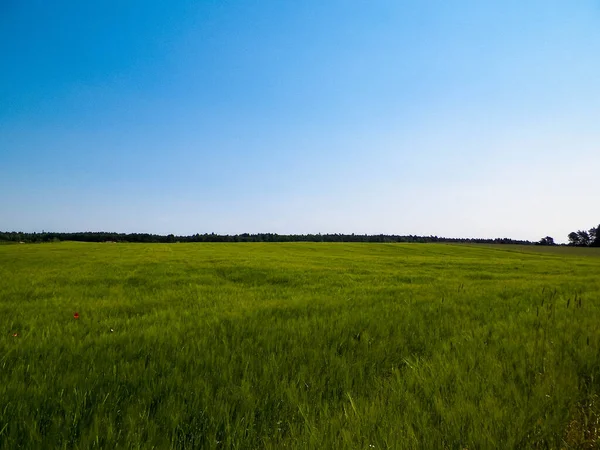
x=299 y=345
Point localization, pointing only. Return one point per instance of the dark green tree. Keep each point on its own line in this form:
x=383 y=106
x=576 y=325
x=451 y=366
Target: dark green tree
x=573 y=238
x=594 y=236
x=548 y=240
x=584 y=238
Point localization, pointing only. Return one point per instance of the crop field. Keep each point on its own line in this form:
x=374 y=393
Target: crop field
x=299 y=345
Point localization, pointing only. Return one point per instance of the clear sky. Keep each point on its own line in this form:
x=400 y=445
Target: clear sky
x=453 y=118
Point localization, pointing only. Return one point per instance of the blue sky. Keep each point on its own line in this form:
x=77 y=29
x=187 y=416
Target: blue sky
x=460 y=118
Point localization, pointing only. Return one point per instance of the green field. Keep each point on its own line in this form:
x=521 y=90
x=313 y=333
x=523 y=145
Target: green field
x=315 y=346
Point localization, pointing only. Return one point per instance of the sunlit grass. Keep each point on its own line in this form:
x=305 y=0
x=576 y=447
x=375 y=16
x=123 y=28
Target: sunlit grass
x=298 y=346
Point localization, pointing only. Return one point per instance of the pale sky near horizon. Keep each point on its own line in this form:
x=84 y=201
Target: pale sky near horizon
x=449 y=118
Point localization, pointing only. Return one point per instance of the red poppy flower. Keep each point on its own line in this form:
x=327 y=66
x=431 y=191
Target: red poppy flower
x=76 y=316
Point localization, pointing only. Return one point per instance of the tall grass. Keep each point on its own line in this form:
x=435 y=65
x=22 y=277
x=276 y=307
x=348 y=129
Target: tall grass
x=298 y=346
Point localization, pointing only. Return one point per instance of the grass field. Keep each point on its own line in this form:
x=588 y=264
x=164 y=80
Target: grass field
x=299 y=346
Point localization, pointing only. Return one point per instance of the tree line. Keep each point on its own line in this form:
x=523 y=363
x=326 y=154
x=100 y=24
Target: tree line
x=17 y=236
x=580 y=238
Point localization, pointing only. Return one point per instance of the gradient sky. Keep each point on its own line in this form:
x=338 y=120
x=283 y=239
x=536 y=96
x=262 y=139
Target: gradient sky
x=452 y=118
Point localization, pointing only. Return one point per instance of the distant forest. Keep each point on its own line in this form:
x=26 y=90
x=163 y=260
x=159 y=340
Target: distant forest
x=581 y=238
x=15 y=236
